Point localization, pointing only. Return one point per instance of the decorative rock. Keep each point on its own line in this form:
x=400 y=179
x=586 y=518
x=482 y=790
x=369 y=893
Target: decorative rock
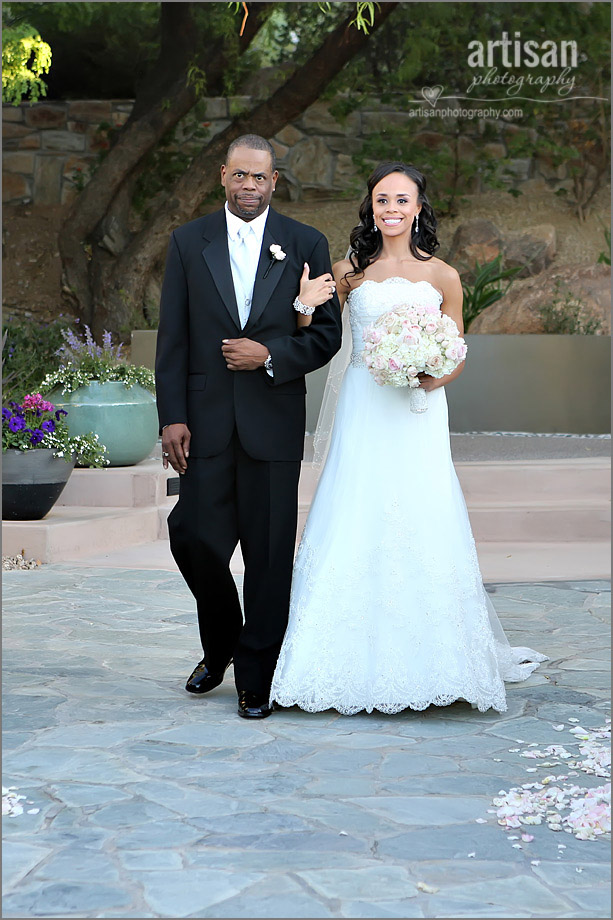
x=18 y=162
x=29 y=142
x=520 y=167
x=532 y=251
x=14 y=187
x=281 y=150
x=289 y=135
x=344 y=171
x=216 y=107
x=518 y=311
x=12 y=113
x=13 y=130
x=494 y=150
x=379 y=122
x=431 y=140
x=319 y=120
x=62 y=140
x=48 y=179
x=46 y=116
x=475 y=241
x=311 y=162
x=90 y=110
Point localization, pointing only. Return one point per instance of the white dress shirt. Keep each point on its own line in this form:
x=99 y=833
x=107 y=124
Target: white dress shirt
x=244 y=245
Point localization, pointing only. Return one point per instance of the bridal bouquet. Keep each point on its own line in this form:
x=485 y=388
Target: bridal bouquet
x=409 y=340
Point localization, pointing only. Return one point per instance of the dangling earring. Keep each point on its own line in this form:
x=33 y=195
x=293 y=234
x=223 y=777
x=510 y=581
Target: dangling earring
x=417 y=223
x=374 y=226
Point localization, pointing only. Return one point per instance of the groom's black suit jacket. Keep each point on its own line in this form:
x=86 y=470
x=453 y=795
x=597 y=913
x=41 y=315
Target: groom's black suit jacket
x=198 y=310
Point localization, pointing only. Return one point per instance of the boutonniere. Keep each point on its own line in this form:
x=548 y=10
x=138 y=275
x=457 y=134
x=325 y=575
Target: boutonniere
x=276 y=255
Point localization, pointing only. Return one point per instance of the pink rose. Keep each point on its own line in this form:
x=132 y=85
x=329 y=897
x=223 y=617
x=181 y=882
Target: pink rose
x=412 y=371
x=379 y=362
x=394 y=365
x=430 y=327
x=434 y=362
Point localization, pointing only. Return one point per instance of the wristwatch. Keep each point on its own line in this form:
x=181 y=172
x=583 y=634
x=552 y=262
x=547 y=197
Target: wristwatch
x=268 y=363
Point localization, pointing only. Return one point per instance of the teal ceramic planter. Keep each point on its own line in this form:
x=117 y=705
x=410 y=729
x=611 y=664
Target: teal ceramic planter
x=124 y=418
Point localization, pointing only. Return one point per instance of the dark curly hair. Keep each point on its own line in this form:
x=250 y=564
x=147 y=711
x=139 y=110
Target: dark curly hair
x=366 y=241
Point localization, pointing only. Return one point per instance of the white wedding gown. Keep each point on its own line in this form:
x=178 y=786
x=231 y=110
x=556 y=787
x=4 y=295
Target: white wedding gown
x=388 y=609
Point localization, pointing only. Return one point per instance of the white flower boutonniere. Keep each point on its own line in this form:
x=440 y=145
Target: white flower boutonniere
x=276 y=255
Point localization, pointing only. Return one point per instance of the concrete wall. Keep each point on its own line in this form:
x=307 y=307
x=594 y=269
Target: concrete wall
x=539 y=383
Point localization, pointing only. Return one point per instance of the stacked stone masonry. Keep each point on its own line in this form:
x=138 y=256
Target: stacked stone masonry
x=51 y=148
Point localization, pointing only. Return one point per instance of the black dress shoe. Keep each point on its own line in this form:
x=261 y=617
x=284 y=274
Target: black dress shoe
x=253 y=705
x=201 y=680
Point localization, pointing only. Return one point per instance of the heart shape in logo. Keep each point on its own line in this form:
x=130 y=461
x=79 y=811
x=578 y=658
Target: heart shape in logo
x=431 y=93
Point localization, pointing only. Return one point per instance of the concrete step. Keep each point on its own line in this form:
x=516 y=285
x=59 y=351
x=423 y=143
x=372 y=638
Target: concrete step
x=69 y=532
x=120 y=486
x=499 y=562
x=574 y=520
x=516 y=480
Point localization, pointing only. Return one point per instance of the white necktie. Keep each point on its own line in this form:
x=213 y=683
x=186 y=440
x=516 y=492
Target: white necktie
x=244 y=263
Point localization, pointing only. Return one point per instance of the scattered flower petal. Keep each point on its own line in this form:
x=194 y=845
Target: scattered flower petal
x=429 y=889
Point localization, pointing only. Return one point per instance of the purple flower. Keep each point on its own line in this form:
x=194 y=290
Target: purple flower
x=59 y=413
x=17 y=423
x=48 y=425
x=6 y=413
x=37 y=436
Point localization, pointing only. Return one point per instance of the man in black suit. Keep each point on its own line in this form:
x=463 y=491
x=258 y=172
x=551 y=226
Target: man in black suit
x=230 y=375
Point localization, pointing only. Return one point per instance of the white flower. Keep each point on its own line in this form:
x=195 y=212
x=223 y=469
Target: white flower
x=277 y=253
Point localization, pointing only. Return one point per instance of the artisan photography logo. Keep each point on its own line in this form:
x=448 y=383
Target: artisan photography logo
x=508 y=62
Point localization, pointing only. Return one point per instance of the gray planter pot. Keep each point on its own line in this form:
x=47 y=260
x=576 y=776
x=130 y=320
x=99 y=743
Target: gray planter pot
x=32 y=482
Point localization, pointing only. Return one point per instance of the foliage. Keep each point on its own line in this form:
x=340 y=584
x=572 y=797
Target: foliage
x=605 y=255
x=29 y=352
x=567 y=315
x=450 y=172
x=25 y=58
x=486 y=289
x=100 y=50
x=83 y=361
x=36 y=423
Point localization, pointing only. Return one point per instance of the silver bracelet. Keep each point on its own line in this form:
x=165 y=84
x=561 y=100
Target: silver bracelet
x=301 y=307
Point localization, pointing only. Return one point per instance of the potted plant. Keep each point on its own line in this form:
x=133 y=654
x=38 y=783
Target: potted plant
x=105 y=394
x=38 y=456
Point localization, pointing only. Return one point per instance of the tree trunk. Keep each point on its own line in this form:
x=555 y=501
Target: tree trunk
x=158 y=108
x=121 y=297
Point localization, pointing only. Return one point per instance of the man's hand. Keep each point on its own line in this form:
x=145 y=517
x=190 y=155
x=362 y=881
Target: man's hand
x=175 y=447
x=243 y=354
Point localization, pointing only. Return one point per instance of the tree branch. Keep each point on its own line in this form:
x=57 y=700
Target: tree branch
x=202 y=177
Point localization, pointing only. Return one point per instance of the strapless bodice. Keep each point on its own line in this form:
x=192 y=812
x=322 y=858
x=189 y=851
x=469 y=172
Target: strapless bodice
x=373 y=298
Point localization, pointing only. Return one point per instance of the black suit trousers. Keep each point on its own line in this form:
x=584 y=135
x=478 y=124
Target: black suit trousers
x=224 y=500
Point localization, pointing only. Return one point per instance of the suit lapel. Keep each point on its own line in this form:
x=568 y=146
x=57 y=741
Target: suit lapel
x=264 y=286
x=217 y=258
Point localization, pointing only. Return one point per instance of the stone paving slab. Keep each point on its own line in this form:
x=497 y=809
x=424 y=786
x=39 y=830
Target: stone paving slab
x=152 y=803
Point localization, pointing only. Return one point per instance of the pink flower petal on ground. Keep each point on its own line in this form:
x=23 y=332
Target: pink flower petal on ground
x=527 y=837
x=558 y=728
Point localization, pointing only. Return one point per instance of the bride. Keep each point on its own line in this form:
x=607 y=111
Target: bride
x=388 y=609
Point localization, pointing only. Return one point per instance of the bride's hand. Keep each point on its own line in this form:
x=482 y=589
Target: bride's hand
x=315 y=291
x=428 y=383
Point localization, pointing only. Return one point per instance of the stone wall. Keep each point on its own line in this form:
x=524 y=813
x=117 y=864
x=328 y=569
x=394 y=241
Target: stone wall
x=50 y=148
